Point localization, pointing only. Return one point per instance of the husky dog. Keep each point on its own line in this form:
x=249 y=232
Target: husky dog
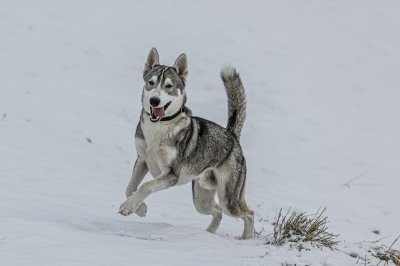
x=177 y=148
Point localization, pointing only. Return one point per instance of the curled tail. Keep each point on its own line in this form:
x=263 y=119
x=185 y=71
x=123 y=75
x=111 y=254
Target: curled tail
x=236 y=100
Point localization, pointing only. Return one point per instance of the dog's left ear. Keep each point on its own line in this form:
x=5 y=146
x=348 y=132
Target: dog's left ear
x=181 y=66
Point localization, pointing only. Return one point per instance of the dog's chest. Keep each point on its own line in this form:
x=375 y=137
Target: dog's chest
x=156 y=135
x=158 y=150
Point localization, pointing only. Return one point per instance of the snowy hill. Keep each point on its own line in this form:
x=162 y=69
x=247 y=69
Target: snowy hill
x=322 y=81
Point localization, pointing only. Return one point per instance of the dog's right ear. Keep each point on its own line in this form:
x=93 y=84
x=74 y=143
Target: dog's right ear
x=152 y=60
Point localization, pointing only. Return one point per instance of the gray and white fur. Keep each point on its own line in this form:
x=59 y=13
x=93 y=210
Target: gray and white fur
x=177 y=148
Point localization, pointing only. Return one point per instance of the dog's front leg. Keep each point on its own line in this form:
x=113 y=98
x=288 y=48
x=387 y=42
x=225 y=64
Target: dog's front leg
x=165 y=180
x=139 y=171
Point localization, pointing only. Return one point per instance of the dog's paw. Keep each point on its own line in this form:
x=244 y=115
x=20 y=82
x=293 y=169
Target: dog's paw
x=141 y=210
x=128 y=206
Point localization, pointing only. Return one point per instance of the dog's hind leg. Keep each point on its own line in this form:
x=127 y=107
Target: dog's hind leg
x=204 y=201
x=248 y=219
x=231 y=198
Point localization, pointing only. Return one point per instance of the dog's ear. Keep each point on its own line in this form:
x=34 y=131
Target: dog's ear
x=152 y=60
x=181 y=66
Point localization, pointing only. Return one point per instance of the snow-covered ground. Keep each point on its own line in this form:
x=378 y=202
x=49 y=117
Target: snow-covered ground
x=322 y=81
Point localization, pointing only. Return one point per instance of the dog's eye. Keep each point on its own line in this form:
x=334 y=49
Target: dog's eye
x=168 y=86
x=151 y=82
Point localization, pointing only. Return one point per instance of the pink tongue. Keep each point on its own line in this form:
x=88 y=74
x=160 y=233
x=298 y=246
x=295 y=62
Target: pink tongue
x=159 y=112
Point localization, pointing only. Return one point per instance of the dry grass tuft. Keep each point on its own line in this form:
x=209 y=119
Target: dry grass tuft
x=389 y=255
x=299 y=228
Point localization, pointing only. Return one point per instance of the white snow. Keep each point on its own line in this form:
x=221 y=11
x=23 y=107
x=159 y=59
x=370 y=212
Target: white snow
x=322 y=81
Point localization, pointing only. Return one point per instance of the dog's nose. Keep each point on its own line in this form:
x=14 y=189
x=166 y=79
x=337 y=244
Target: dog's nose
x=154 y=101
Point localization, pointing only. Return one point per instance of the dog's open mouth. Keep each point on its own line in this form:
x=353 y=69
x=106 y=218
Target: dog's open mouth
x=158 y=113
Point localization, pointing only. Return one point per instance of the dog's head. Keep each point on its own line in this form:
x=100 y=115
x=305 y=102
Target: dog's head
x=164 y=89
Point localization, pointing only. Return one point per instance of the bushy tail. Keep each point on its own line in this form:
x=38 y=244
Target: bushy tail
x=236 y=100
